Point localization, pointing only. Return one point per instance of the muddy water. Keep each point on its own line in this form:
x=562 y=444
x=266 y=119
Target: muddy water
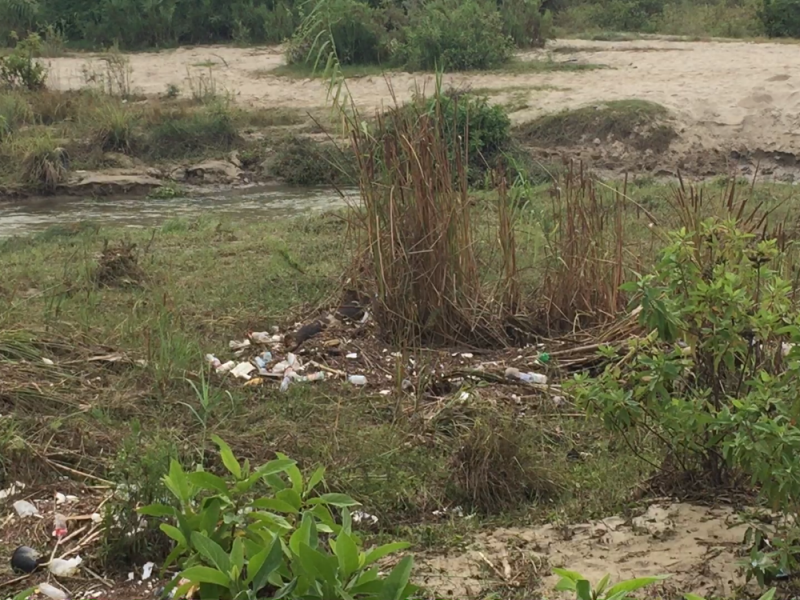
x=37 y=214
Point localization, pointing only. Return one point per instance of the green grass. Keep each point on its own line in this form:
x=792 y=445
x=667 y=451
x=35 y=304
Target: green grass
x=644 y=125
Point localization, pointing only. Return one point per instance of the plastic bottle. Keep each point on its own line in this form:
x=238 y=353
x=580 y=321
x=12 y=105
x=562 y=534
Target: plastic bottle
x=213 y=361
x=357 y=380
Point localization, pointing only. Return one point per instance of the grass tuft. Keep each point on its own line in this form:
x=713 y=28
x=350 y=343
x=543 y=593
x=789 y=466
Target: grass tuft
x=46 y=164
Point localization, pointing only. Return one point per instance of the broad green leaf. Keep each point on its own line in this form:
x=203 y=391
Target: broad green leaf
x=295 y=476
x=181 y=591
x=631 y=585
x=583 y=589
x=316 y=477
x=347 y=519
x=378 y=553
x=290 y=497
x=571 y=575
x=228 y=459
x=200 y=574
x=174 y=533
x=274 y=467
x=303 y=534
x=340 y=500
x=209 y=516
x=211 y=551
x=271 y=519
x=769 y=594
x=177 y=483
x=395 y=583
x=693 y=597
x=157 y=510
x=237 y=554
x=271 y=563
x=173 y=556
x=208 y=481
x=347 y=554
x=322 y=566
x=565 y=585
x=275 y=482
x=276 y=505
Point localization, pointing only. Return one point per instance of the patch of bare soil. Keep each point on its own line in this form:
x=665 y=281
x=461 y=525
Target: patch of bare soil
x=739 y=99
x=697 y=546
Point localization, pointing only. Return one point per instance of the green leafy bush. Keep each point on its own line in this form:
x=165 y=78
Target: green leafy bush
x=781 y=18
x=180 y=133
x=21 y=69
x=352 y=28
x=267 y=532
x=455 y=36
x=525 y=22
x=303 y=161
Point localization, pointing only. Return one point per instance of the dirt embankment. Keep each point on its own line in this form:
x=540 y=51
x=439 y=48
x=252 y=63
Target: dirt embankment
x=730 y=102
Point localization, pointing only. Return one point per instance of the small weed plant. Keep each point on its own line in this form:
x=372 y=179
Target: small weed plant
x=266 y=532
x=572 y=581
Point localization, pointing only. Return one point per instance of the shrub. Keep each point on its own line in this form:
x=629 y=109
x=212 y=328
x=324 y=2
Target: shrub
x=456 y=36
x=268 y=532
x=183 y=133
x=114 y=128
x=525 y=22
x=46 y=165
x=14 y=112
x=781 y=18
x=302 y=161
x=20 y=68
x=352 y=28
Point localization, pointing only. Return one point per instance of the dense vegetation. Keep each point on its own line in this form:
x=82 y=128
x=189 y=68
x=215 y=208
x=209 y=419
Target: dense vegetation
x=419 y=34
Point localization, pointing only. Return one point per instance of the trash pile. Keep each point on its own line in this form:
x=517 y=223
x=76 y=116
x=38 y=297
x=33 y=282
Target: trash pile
x=56 y=532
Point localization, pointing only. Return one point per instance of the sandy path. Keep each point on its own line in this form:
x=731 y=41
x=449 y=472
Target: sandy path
x=732 y=94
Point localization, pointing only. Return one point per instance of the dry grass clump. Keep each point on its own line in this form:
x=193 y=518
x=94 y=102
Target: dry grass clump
x=45 y=165
x=118 y=266
x=495 y=469
x=418 y=232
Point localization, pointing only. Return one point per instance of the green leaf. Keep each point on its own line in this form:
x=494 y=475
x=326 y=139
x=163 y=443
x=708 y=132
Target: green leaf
x=273 y=560
x=208 y=481
x=200 y=574
x=323 y=567
x=631 y=585
x=290 y=497
x=395 y=584
x=347 y=554
x=571 y=575
x=173 y=556
x=276 y=505
x=285 y=590
x=274 y=467
x=340 y=500
x=237 y=554
x=583 y=589
x=228 y=459
x=769 y=594
x=174 y=533
x=211 y=551
x=295 y=476
x=565 y=585
x=176 y=482
x=271 y=519
x=316 y=477
x=25 y=594
x=305 y=534
x=157 y=510
x=378 y=553
x=602 y=585
x=693 y=597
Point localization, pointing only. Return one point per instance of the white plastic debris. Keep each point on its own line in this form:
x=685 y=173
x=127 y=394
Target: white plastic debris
x=25 y=509
x=239 y=344
x=11 y=490
x=225 y=367
x=61 y=567
x=263 y=359
x=464 y=396
x=512 y=373
x=352 y=356
x=359 y=516
x=213 y=361
x=357 y=380
x=59 y=525
x=786 y=348
x=466 y=355
x=243 y=370
x=51 y=591
x=385 y=392
x=60 y=498
x=261 y=337
x=47 y=361
x=131 y=576
x=147 y=570
x=285 y=383
x=97 y=518
x=318 y=376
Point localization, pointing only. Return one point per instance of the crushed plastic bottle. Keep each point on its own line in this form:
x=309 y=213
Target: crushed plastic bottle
x=239 y=344
x=358 y=380
x=59 y=526
x=213 y=361
x=51 y=591
x=25 y=509
x=513 y=373
x=261 y=337
x=65 y=567
x=285 y=383
x=263 y=359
